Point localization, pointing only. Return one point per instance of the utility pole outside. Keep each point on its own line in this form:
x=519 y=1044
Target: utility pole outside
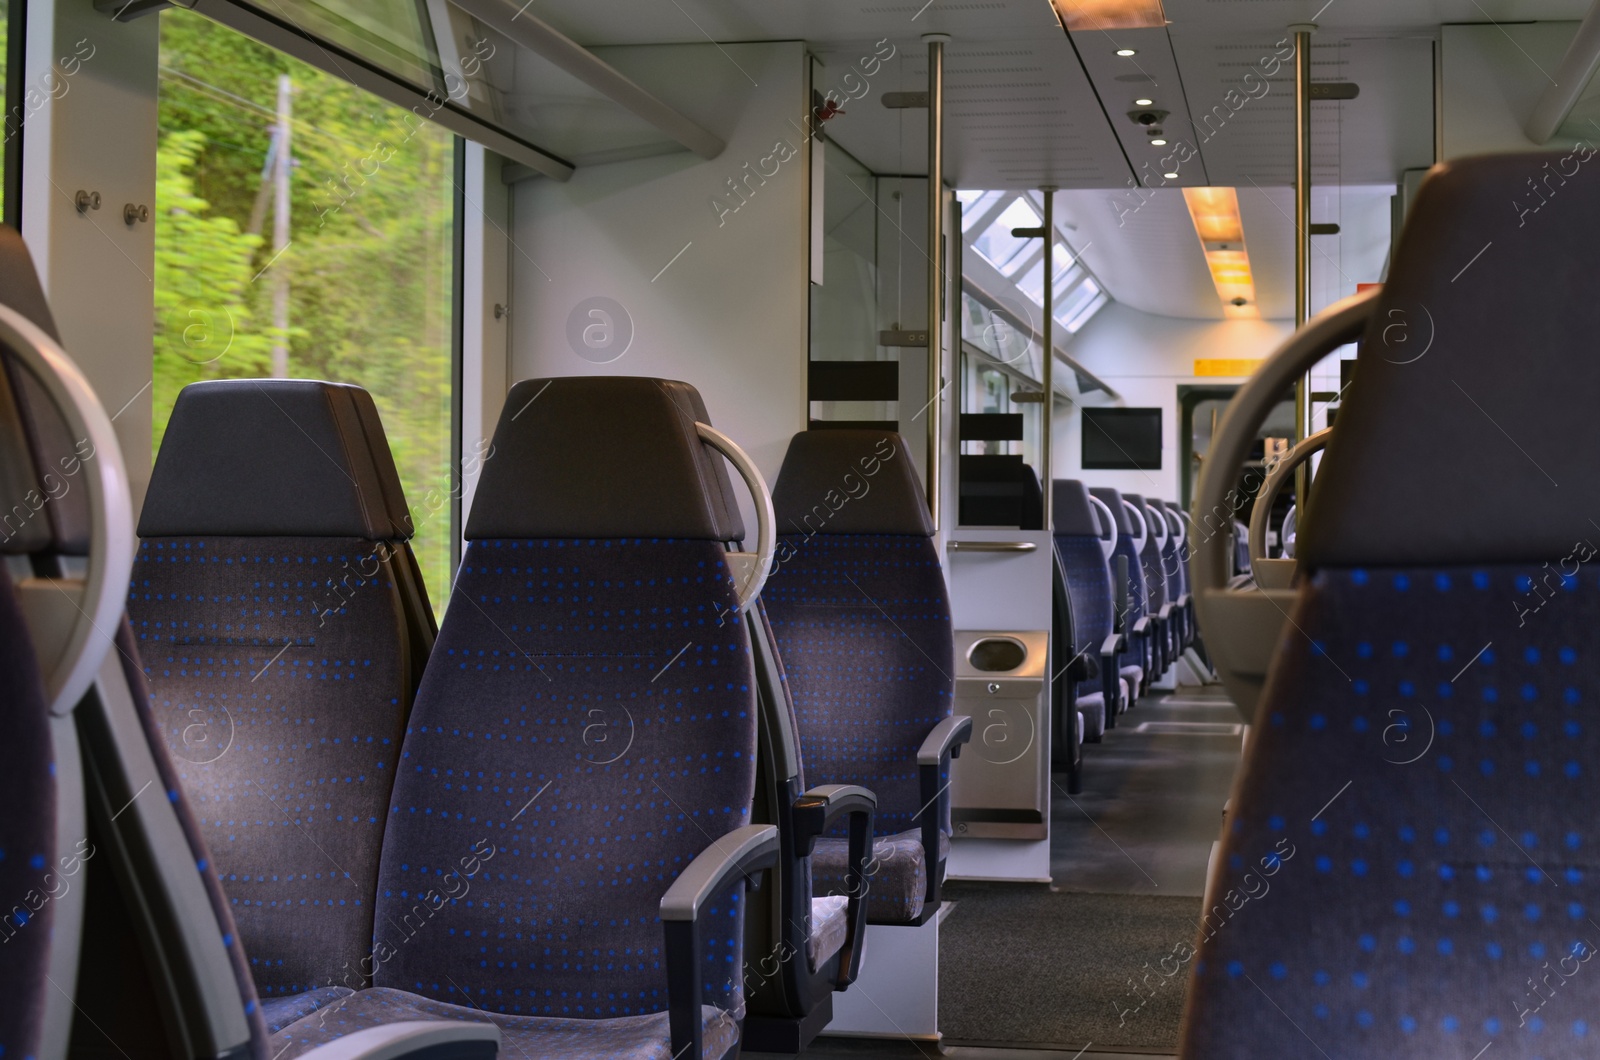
x=280 y=231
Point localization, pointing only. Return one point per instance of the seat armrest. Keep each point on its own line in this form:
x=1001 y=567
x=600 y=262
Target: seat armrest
x=456 y=1039
x=1111 y=677
x=933 y=762
x=814 y=813
x=1141 y=627
x=945 y=739
x=741 y=852
x=817 y=810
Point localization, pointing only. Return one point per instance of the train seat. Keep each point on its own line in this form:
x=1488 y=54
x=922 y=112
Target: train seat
x=861 y=614
x=1419 y=790
x=270 y=605
x=580 y=758
x=1096 y=644
x=1153 y=562
x=1133 y=621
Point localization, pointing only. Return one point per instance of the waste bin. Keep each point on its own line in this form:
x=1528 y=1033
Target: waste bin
x=1000 y=786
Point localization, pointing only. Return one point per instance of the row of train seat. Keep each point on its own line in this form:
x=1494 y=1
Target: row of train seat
x=1123 y=611
x=334 y=830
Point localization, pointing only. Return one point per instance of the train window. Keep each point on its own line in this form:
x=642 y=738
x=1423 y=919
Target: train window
x=304 y=229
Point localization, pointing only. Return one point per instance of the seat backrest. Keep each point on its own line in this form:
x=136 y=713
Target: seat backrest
x=587 y=722
x=1128 y=548
x=270 y=607
x=1171 y=557
x=1150 y=560
x=1178 y=521
x=1076 y=527
x=1421 y=779
x=858 y=603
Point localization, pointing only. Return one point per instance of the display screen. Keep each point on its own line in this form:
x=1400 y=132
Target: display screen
x=1121 y=439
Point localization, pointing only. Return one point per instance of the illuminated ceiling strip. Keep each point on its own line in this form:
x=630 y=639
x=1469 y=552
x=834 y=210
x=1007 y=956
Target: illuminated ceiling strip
x=1215 y=213
x=1092 y=15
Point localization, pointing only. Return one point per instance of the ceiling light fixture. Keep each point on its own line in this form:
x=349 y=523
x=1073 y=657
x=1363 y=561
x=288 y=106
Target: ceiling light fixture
x=1126 y=52
x=1215 y=212
x=1080 y=15
x=1158 y=142
x=1169 y=176
x=1144 y=103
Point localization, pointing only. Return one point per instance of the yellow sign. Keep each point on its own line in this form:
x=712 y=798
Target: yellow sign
x=1226 y=365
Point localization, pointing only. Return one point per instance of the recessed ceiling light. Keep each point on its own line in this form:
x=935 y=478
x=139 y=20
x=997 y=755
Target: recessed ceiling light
x=1158 y=142
x=1170 y=176
x=1144 y=103
x=1101 y=15
x=1126 y=52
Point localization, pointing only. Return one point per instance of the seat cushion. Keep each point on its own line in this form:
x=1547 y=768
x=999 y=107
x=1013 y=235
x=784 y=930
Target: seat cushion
x=896 y=890
x=279 y=1012
x=1093 y=709
x=1134 y=676
x=829 y=926
x=644 y=1037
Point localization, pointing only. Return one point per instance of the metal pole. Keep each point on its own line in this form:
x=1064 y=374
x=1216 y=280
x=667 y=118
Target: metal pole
x=1302 y=232
x=935 y=264
x=280 y=232
x=1047 y=339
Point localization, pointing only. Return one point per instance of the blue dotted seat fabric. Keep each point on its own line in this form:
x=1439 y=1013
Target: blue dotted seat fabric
x=522 y=1037
x=585 y=728
x=1410 y=869
x=280 y=689
x=1132 y=667
x=28 y=852
x=863 y=624
x=1089 y=585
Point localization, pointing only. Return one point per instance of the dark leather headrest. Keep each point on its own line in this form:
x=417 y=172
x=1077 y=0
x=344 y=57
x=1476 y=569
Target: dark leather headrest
x=24 y=527
x=603 y=456
x=1478 y=450
x=850 y=482
x=1113 y=499
x=274 y=458
x=1071 y=511
x=62 y=525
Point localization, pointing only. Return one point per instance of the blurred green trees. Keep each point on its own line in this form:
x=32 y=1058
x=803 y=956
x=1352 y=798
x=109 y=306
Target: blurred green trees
x=368 y=261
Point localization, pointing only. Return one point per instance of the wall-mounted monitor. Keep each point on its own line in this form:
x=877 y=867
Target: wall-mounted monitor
x=1117 y=439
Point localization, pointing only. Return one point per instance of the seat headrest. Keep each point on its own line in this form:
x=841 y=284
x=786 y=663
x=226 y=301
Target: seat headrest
x=274 y=458
x=1477 y=367
x=1155 y=510
x=1071 y=511
x=603 y=456
x=23 y=526
x=1113 y=499
x=850 y=482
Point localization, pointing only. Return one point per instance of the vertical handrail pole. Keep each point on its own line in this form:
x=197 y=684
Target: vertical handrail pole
x=1302 y=233
x=1047 y=338
x=936 y=277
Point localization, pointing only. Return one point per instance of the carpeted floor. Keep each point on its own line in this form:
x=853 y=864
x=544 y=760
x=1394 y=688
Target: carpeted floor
x=1030 y=967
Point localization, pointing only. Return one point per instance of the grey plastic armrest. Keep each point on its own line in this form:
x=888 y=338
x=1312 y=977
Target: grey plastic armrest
x=1112 y=645
x=946 y=738
x=742 y=850
x=455 y=1039
x=1143 y=625
x=818 y=808
x=1165 y=614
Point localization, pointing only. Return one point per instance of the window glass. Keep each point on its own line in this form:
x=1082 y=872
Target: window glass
x=390 y=34
x=997 y=244
x=352 y=284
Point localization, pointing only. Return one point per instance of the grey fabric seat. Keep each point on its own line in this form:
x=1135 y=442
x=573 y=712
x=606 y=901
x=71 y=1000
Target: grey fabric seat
x=1096 y=643
x=272 y=604
x=1133 y=620
x=861 y=615
x=1419 y=791
x=591 y=603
